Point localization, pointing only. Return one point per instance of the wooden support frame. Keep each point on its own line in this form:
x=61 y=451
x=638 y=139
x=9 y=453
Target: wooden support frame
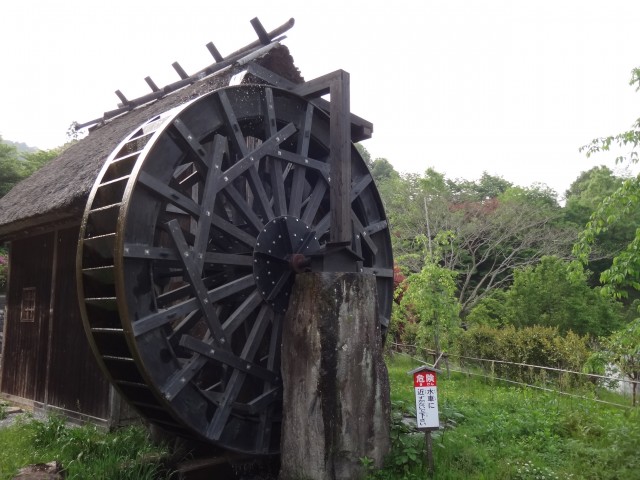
x=361 y=129
x=336 y=84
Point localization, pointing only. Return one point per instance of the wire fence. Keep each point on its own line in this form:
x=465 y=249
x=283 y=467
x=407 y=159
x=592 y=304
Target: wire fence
x=463 y=365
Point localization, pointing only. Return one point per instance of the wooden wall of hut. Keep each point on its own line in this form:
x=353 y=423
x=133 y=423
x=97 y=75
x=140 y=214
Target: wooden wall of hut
x=47 y=362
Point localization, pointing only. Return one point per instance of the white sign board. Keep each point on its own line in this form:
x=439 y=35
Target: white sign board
x=425 y=386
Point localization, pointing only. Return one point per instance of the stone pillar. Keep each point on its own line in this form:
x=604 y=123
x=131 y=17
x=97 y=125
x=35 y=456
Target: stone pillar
x=336 y=387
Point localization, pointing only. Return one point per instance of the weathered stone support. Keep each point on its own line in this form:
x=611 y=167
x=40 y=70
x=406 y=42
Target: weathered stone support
x=336 y=387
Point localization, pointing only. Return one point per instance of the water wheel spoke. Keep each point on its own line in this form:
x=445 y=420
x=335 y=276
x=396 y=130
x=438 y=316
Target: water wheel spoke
x=323 y=225
x=376 y=227
x=358 y=229
x=183 y=290
x=195 y=149
x=231 y=288
x=298 y=181
x=194 y=276
x=262 y=401
x=186 y=324
x=181 y=378
x=132 y=250
x=167 y=193
x=304 y=161
x=228 y=358
x=297 y=188
x=208 y=198
x=273 y=363
x=250 y=159
x=249 y=350
x=163 y=317
x=271 y=121
x=277 y=186
x=240 y=314
x=379 y=271
x=231 y=230
x=243 y=207
x=314 y=202
x=260 y=194
x=359 y=185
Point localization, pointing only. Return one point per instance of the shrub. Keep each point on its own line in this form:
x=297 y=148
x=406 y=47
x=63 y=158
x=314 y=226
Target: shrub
x=543 y=346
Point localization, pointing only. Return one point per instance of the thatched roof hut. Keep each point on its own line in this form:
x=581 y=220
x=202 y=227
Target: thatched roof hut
x=46 y=359
x=57 y=193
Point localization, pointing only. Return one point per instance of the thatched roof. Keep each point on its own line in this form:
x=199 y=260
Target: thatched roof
x=59 y=190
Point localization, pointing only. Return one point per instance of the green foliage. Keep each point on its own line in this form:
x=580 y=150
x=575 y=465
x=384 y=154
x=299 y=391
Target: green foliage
x=499 y=432
x=555 y=293
x=487 y=187
x=614 y=210
x=381 y=170
x=407 y=446
x=85 y=452
x=362 y=150
x=490 y=311
x=484 y=229
x=16 y=166
x=536 y=345
x=429 y=303
x=582 y=199
x=10 y=168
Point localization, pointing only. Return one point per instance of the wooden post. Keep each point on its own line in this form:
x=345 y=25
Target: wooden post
x=429 y=452
x=336 y=388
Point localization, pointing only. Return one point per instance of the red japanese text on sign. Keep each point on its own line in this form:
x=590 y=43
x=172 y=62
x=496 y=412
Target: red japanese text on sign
x=424 y=379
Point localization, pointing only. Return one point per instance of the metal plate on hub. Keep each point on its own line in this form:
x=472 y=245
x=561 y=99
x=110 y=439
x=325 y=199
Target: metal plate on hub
x=282 y=249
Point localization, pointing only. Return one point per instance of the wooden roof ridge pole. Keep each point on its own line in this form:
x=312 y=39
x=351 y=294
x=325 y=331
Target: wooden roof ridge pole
x=221 y=62
x=336 y=84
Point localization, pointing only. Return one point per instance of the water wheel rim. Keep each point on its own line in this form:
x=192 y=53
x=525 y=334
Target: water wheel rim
x=158 y=237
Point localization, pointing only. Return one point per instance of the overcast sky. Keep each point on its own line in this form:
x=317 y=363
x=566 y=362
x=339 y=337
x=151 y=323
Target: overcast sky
x=509 y=87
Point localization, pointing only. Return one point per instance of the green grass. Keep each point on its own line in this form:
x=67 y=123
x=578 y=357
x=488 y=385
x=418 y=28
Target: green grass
x=85 y=452
x=496 y=431
x=493 y=431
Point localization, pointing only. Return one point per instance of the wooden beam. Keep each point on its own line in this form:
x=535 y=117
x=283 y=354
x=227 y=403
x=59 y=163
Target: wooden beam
x=263 y=36
x=214 y=52
x=183 y=75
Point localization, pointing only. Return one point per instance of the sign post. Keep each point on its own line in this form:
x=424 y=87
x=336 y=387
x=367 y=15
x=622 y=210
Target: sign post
x=425 y=385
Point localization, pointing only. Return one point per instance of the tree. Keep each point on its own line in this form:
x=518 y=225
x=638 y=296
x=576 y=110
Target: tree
x=493 y=238
x=582 y=199
x=429 y=298
x=10 y=168
x=614 y=210
x=554 y=293
x=382 y=170
x=486 y=188
x=485 y=238
x=364 y=153
x=16 y=166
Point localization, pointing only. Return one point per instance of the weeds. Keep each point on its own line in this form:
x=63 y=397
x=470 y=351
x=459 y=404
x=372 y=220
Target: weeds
x=85 y=452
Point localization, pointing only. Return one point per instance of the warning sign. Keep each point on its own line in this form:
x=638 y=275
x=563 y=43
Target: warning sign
x=425 y=386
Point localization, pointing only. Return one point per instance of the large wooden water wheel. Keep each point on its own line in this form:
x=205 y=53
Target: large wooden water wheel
x=190 y=243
